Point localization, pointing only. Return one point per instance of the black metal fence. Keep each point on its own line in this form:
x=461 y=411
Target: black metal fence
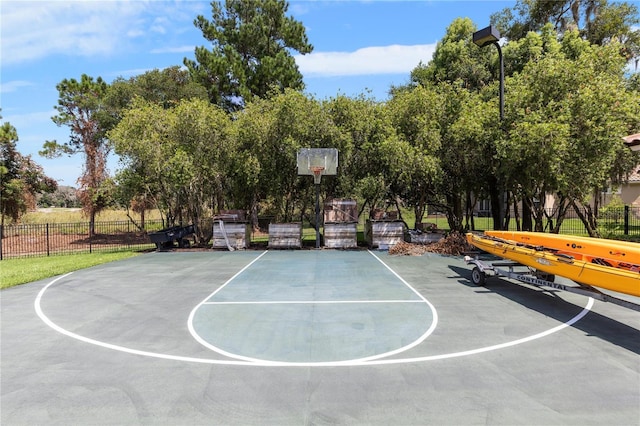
x=63 y=238
x=620 y=222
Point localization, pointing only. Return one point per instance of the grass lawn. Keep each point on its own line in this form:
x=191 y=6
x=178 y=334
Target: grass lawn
x=25 y=270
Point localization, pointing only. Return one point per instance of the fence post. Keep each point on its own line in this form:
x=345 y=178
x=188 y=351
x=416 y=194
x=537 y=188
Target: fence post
x=47 y=234
x=1 y=237
x=626 y=220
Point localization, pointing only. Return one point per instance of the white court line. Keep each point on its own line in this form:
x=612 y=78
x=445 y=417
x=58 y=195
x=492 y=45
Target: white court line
x=68 y=333
x=221 y=351
x=310 y=302
x=51 y=324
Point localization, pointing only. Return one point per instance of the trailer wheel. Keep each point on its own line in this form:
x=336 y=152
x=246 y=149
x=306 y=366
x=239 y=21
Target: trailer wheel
x=544 y=276
x=478 y=277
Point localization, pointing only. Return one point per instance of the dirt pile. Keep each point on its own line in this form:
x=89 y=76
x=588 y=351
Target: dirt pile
x=454 y=244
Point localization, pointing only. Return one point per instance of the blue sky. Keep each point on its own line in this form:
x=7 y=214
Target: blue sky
x=359 y=47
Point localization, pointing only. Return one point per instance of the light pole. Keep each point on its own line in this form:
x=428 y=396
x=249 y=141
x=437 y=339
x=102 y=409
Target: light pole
x=485 y=37
x=482 y=38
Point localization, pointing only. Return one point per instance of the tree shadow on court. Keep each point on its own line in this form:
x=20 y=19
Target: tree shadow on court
x=593 y=324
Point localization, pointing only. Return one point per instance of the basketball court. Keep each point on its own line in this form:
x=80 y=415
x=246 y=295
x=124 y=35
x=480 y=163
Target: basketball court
x=311 y=337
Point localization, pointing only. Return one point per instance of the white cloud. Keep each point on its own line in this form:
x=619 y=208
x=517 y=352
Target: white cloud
x=394 y=59
x=32 y=30
x=32 y=119
x=178 y=49
x=12 y=86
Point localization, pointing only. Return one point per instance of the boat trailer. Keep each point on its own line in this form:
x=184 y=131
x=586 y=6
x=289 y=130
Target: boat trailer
x=507 y=269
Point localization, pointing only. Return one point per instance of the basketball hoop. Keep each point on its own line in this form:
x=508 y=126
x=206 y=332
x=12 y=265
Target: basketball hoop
x=317 y=162
x=317 y=173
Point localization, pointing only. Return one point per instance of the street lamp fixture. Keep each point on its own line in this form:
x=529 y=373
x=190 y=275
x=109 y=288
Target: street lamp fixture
x=485 y=37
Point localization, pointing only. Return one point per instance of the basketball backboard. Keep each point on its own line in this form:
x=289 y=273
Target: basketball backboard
x=317 y=162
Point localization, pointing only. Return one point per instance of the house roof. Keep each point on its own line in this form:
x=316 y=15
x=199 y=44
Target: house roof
x=634 y=176
x=633 y=141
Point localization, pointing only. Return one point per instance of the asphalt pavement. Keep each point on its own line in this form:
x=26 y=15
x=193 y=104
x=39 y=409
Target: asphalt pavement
x=312 y=337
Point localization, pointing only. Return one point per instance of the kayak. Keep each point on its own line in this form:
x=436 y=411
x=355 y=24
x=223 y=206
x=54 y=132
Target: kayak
x=555 y=262
x=617 y=254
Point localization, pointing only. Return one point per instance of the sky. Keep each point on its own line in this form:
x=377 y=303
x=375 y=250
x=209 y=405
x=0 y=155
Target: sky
x=360 y=47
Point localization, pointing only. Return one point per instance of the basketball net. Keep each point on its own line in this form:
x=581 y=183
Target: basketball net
x=317 y=173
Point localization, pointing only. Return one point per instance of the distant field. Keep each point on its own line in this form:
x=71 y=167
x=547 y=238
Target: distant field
x=63 y=215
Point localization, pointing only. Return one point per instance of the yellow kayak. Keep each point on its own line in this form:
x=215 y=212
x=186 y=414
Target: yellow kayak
x=557 y=263
x=618 y=254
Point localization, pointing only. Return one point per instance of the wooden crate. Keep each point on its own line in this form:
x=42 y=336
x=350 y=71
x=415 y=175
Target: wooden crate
x=285 y=235
x=233 y=215
x=340 y=210
x=383 y=234
x=238 y=234
x=341 y=235
x=380 y=214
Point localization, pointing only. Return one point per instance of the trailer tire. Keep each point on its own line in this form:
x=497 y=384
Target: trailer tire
x=544 y=276
x=478 y=277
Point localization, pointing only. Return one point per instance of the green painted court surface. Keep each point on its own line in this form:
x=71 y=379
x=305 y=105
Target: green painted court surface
x=314 y=307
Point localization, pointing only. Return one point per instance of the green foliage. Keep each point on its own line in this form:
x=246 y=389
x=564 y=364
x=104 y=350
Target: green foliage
x=413 y=167
x=164 y=87
x=567 y=113
x=599 y=22
x=365 y=129
x=21 y=179
x=270 y=132
x=62 y=197
x=179 y=157
x=457 y=59
x=251 y=51
x=81 y=107
x=615 y=205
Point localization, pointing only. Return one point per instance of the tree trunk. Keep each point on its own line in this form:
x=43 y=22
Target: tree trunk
x=588 y=219
x=496 y=204
x=92 y=223
x=527 y=224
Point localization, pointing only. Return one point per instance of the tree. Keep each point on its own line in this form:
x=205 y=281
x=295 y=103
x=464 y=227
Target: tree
x=456 y=58
x=365 y=129
x=413 y=167
x=597 y=21
x=567 y=113
x=21 y=179
x=468 y=153
x=81 y=107
x=180 y=156
x=250 y=54
x=458 y=62
x=270 y=132
x=165 y=87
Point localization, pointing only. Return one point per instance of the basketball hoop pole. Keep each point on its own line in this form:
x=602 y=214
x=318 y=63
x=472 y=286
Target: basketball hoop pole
x=317 y=176
x=318 y=215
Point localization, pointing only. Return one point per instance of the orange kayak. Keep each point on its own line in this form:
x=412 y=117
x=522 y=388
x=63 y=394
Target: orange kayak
x=617 y=254
x=559 y=263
